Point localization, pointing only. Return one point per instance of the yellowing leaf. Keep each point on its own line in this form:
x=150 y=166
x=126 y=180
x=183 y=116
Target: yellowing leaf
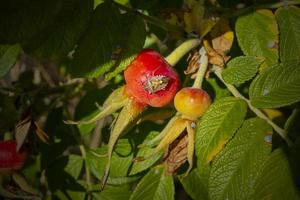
x=216 y=150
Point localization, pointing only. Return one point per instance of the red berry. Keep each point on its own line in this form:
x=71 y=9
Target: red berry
x=192 y=102
x=150 y=80
x=10 y=159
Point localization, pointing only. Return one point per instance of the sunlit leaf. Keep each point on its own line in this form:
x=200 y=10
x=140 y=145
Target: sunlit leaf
x=257 y=35
x=289 y=26
x=217 y=126
x=277 y=86
x=241 y=69
x=235 y=170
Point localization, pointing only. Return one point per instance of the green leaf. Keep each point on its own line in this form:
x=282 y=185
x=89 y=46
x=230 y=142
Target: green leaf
x=277 y=86
x=113 y=193
x=217 y=126
x=257 y=35
x=276 y=181
x=144 y=151
x=235 y=170
x=111 y=42
x=193 y=184
x=59 y=38
x=74 y=165
x=241 y=69
x=121 y=160
x=154 y=186
x=289 y=26
x=8 y=57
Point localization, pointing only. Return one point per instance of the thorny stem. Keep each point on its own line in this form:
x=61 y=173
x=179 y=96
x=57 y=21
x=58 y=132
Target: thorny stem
x=217 y=70
x=181 y=50
x=87 y=171
x=203 y=63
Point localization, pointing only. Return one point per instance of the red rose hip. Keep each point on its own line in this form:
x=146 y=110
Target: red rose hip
x=150 y=80
x=10 y=159
x=192 y=102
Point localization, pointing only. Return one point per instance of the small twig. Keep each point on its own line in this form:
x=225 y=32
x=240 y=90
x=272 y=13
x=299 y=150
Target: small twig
x=203 y=63
x=218 y=71
x=181 y=50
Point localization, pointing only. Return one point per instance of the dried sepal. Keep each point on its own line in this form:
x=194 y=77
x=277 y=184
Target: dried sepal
x=193 y=63
x=162 y=134
x=177 y=153
x=168 y=135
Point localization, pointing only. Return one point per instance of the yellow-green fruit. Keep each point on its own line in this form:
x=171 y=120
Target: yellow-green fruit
x=192 y=102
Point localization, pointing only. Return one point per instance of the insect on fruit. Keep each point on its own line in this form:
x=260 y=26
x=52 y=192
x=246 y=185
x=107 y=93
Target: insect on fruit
x=151 y=80
x=156 y=83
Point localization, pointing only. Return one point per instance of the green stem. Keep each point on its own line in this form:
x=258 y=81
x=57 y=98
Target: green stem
x=203 y=63
x=153 y=20
x=87 y=171
x=259 y=113
x=181 y=50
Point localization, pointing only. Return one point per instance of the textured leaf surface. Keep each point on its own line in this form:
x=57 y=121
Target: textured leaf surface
x=236 y=168
x=111 y=41
x=257 y=35
x=277 y=86
x=241 y=69
x=144 y=151
x=154 y=186
x=217 y=126
x=8 y=57
x=289 y=26
x=276 y=181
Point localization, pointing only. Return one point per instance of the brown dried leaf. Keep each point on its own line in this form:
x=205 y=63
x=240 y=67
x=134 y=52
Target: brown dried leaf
x=21 y=131
x=41 y=133
x=177 y=154
x=215 y=57
x=223 y=43
x=193 y=63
